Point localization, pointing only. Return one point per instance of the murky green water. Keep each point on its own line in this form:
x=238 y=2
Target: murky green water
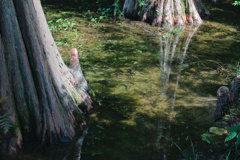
x=157 y=94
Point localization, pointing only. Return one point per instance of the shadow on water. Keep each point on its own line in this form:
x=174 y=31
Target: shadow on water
x=160 y=111
x=224 y=12
x=44 y=152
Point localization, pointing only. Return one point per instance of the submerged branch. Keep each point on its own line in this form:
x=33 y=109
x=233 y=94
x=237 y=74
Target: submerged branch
x=79 y=144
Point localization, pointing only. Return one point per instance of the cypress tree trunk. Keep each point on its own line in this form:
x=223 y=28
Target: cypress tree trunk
x=36 y=87
x=165 y=12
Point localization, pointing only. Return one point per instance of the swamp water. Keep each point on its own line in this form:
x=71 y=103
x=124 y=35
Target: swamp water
x=158 y=98
x=157 y=94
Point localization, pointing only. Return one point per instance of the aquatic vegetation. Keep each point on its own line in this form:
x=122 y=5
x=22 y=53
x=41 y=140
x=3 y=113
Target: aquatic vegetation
x=236 y=3
x=149 y=85
x=5 y=122
x=123 y=63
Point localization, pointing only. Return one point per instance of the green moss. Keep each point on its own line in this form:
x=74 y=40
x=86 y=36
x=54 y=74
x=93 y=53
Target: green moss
x=218 y=131
x=122 y=64
x=77 y=98
x=92 y=93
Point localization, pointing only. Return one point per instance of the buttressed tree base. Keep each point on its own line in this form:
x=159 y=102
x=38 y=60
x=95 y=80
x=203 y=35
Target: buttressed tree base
x=165 y=12
x=36 y=87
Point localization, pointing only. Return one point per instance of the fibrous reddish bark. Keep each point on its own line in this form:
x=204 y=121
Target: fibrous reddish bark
x=35 y=80
x=79 y=82
x=165 y=12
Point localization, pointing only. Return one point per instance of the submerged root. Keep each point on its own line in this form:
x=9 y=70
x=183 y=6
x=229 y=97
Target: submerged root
x=79 y=143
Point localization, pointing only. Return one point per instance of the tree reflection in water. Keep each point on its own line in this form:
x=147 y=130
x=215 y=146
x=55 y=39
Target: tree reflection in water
x=173 y=51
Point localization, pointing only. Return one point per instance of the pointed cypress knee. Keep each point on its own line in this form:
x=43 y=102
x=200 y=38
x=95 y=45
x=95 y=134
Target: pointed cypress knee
x=86 y=104
x=223 y=104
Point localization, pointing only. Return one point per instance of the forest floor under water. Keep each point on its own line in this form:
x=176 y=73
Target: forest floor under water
x=157 y=88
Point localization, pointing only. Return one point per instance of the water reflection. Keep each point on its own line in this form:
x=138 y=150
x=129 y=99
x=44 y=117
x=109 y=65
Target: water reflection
x=143 y=107
x=63 y=151
x=173 y=51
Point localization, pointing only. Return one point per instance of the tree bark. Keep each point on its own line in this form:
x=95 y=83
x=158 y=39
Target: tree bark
x=223 y=103
x=227 y=98
x=38 y=85
x=165 y=12
x=235 y=90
